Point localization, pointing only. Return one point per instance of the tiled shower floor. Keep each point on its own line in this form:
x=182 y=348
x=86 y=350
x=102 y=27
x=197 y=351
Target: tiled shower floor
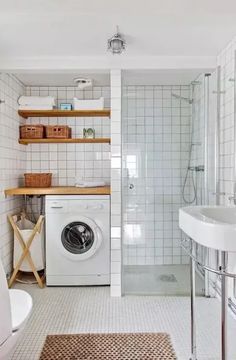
x=91 y=309
x=159 y=280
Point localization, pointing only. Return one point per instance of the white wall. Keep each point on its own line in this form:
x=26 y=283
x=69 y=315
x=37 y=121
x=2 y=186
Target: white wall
x=70 y=161
x=116 y=215
x=156 y=136
x=65 y=161
x=12 y=160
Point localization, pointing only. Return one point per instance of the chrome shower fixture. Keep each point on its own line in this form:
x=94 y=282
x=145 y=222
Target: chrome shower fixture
x=116 y=44
x=197 y=168
x=190 y=101
x=196 y=144
x=196 y=82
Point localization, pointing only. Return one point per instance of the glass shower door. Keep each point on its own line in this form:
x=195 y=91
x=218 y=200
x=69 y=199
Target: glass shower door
x=155 y=147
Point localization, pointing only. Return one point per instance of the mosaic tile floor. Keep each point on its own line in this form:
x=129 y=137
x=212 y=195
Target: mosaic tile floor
x=91 y=309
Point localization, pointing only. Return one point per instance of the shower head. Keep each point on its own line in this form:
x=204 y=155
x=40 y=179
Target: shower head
x=190 y=101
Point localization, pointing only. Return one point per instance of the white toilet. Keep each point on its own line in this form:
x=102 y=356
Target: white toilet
x=15 y=308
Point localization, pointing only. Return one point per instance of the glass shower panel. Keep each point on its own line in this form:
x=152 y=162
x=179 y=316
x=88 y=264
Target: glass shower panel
x=155 y=148
x=232 y=257
x=203 y=137
x=197 y=137
x=211 y=139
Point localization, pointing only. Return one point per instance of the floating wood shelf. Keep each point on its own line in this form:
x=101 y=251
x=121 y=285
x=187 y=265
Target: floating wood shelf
x=59 y=190
x=64 y=141
x=64 y=113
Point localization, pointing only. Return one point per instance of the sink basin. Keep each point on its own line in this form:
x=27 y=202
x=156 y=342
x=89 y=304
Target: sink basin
x=210 y=226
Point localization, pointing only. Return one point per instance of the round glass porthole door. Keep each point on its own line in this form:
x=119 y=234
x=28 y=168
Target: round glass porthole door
x=77 y=237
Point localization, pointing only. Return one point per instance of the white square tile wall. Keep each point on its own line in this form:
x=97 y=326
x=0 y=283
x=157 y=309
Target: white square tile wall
x=12 y=160
x=116 y=183
x=70 y=161
x=226 y=61
x=156 y=139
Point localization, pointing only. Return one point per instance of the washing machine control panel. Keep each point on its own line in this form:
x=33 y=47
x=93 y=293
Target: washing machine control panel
x=76 y=205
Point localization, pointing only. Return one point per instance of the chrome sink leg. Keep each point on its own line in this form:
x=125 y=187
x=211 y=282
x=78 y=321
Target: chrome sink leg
x=224 y=306
x=193 y=291
x=206 y=274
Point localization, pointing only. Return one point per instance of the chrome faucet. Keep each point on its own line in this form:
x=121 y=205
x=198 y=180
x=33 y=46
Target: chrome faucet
x=196 y=168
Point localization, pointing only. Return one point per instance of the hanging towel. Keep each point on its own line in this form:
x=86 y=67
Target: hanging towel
x=36 y=100
x=35 y=107
x=84 y=184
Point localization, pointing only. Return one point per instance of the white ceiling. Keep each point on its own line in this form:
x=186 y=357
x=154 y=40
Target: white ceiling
x=54 y=28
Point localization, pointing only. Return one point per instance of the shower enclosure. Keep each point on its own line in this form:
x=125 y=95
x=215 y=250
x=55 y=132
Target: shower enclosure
x=168 y=150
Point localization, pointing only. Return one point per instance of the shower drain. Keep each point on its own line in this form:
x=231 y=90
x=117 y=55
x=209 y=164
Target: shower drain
x=167 y=278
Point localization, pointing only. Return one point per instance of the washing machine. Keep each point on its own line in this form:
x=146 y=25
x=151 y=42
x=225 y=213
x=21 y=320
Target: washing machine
x=77 y=240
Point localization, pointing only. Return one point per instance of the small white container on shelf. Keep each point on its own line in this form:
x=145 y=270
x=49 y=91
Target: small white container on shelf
x=95 y=104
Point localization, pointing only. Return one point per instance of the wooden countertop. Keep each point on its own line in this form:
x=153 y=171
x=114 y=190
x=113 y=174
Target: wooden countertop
x=59 y=190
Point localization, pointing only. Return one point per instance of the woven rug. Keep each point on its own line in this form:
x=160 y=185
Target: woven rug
x=128 y=346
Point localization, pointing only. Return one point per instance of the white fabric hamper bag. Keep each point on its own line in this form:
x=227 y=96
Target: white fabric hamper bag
x=36 y=249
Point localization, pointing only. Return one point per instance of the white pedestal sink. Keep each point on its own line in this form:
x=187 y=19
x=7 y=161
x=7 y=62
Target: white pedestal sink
x=213 y=227
x=210 y=226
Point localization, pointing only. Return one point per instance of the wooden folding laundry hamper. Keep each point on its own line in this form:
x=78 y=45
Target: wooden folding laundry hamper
x=26 y=239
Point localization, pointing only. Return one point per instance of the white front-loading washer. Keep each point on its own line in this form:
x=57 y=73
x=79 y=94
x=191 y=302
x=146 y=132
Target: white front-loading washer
x=77 y=240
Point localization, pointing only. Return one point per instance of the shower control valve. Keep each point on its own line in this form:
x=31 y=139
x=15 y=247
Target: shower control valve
x=232 y=199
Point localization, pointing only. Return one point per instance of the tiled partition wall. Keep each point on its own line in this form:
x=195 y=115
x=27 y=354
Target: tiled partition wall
x=156 y=139
x=226 y=61
x=12 y=160
x=116 y=183
x=70 y=161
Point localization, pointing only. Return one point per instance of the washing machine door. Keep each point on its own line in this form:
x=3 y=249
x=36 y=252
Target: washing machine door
x=80 y=239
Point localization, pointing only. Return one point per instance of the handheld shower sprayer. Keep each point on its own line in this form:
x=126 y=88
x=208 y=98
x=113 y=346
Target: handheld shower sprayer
x=190 y=101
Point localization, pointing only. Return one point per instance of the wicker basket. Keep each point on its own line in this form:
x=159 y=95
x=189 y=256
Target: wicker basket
x=31 y=131
x=58 y=132
x=38 y=179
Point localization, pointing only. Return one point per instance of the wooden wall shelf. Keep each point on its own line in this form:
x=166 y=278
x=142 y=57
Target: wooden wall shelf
x=59 y=190
x=64 y=113
x=65 y=141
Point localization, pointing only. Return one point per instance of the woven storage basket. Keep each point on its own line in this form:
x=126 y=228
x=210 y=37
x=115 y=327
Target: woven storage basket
x=38 y=179
x=58 y=132
x=31 y=131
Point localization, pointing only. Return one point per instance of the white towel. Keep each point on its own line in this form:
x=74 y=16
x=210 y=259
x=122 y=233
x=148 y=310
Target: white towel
x=35 y=107
x=84 y=184
x=36 y=100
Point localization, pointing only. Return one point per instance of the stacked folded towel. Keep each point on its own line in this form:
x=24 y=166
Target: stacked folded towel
x=36 y=102
x=83 y=184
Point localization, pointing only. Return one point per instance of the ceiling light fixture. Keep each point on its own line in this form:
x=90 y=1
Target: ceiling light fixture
x=116 y=44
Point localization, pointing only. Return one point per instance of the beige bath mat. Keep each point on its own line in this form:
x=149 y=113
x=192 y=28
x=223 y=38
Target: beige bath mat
x=127 y=346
